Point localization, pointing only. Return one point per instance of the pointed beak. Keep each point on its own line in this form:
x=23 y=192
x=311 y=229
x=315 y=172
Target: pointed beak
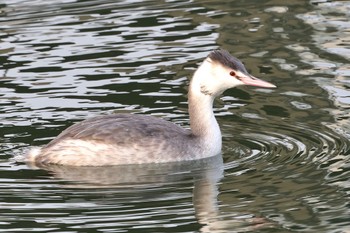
x=252 y=81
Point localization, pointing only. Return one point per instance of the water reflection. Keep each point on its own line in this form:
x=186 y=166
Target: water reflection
x=154 y=182
x=138 y=174
x=285 y=151
x=331 y=35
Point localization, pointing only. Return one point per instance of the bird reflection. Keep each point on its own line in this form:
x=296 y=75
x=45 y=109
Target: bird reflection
x=205 y=173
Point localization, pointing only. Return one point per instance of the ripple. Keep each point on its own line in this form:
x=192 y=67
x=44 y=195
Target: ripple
x=107 y=198
x=64 y=61
x=284 y=143
x=283 y=167
x=68 y=59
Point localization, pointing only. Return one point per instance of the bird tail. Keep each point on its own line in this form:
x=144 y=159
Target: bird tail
x=32 y=154
x=29 y=156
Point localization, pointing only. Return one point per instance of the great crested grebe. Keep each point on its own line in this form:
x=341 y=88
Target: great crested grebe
x=135 y=139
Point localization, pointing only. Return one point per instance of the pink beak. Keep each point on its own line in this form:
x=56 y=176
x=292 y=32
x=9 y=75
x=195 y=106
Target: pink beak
x=252 y=81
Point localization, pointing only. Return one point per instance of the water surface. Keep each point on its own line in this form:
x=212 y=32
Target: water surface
x=285 y=160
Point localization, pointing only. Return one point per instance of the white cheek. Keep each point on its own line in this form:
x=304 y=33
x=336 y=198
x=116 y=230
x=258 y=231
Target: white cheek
x=230 y=81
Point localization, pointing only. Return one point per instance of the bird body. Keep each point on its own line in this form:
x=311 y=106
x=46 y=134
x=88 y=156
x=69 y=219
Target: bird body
x=120 y=139
x=136 y=139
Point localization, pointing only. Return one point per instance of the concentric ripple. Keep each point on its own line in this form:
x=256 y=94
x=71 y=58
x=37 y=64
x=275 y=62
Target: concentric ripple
x=284 y=144
x=292 y=169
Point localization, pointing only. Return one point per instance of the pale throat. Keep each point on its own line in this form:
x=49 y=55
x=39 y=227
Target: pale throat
x=200 y=104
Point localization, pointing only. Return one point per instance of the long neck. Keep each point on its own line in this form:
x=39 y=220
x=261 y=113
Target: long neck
x=200 y=103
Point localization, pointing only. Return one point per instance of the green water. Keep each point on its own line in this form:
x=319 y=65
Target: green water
x=285 y=159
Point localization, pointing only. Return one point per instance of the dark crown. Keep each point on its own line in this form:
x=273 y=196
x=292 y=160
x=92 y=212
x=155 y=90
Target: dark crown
x=226 y=59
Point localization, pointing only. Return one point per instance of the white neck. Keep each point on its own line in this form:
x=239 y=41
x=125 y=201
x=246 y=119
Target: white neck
x=200 y=103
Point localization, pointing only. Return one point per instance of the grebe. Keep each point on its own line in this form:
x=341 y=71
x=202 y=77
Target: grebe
x=136 y=139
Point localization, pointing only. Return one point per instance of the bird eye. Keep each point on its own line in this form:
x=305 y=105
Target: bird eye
x=233 y=74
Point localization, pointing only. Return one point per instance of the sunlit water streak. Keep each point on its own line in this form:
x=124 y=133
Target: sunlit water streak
x=286 y=151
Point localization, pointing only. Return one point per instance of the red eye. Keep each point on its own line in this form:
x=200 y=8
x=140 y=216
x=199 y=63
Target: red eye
x=233 y=74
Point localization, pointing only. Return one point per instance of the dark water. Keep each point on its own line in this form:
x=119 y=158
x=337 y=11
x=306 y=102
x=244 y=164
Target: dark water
x=285 y=163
